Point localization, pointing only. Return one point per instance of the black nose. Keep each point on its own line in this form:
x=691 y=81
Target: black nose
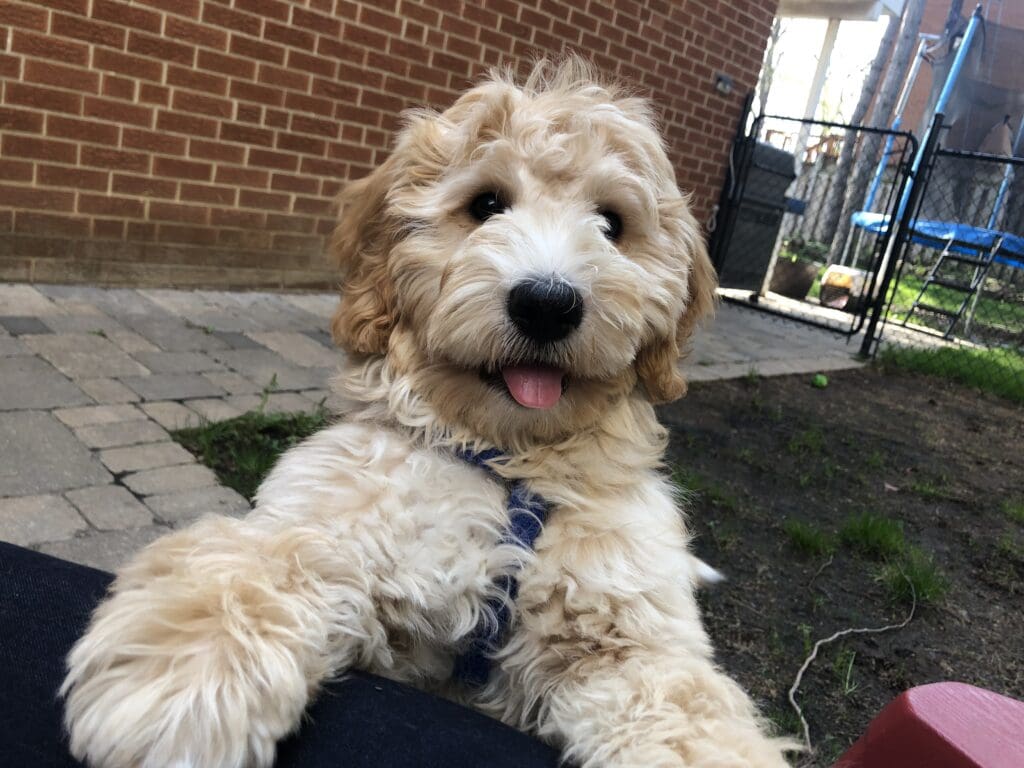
x=545 y=310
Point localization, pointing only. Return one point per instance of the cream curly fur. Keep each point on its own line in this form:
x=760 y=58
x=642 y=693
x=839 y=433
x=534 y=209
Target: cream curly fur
x=372 y=546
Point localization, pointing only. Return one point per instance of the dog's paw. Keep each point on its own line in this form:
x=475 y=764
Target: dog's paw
x=142 y=712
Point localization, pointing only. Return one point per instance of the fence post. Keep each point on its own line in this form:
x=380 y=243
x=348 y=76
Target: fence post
x=898 y=239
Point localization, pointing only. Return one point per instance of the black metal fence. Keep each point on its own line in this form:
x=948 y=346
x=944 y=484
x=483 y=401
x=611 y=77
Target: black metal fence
x=955 y=303
x=778 y=219
x=927 y=274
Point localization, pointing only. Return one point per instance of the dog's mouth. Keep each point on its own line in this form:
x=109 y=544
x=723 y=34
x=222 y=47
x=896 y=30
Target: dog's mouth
x=532 y=385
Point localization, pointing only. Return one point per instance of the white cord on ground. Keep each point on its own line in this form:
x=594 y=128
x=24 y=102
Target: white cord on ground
x=832 y=638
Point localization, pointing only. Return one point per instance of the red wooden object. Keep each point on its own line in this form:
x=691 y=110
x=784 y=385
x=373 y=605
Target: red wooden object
x=943 y=725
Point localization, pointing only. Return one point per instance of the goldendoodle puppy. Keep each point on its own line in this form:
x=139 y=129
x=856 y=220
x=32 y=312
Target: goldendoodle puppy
x=519 y=278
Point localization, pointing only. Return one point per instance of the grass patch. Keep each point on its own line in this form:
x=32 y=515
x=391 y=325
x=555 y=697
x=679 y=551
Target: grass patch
x=927 y=489
x=917 y=569
x=808 y=538
x=999 y=371
x=1014 y=509
x=990 y=311
x=241 y=451
x=873 y=536
x=690 y=482
x=810 y=442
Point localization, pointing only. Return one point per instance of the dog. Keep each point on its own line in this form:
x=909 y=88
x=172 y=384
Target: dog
x=519 y=280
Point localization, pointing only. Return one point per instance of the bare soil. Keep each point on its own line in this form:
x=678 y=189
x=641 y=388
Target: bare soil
x=943 y=460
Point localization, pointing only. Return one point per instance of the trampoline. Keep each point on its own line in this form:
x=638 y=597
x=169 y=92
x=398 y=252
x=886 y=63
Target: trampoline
x=954 y=237
x=973 y=83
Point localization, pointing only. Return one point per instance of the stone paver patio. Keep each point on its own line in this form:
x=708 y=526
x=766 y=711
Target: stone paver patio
x=92 y=380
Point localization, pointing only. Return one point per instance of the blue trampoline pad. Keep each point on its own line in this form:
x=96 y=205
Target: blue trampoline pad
x=966 y=239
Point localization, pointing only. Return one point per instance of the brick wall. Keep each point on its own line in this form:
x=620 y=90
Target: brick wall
x=200 y=142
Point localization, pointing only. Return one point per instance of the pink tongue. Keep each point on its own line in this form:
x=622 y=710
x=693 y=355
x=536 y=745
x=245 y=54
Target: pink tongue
x=533 y=386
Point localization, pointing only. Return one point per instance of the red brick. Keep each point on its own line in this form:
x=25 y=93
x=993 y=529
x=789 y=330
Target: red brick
x=10 y=66
x=198 y=34
x=255 y=49
x=382 y=21
x=259 y=93
x=108 y=229
x=317 y=65
x=130 y=16
x=236 y=218
x=33 y=223
x=104 y=205
x=272 y=201
x=154 y=94
x=20 y=120
x=327 y=26
x=118 y=87
x=298 y=243
x=143 y=186
x=228 y=65
x=302 y=103
x=188 y=8
x=340 y=151
x=286 y=78
x=118 y=111
x=195 y=103
x=334 y=90
x=288 y=35
x=367 y=38
x=314 y=125
x=206 y=193
x=341 y=50
x=161 y=48
x=275 y=118
x=18 y=170
x=196 y=80
x=141 y=231
x=283 y=182
x=271 y=9
x=19 y=196
x=215 y=150
x=322 y=167
x=246 y=134
x=195 y=235
x=114 y=159
x=68 y=176
x=88 y=30
x=92 y=131
x=24 y=16
x=290 y=223
x=312 y=205
x=182 y=169
x=35 y=148
x=126 y=64
x=190 y=214
x=226 y=18
x=190 y=125
x=249 y=113
x=262 y=158
x=154 y=141
x=45 y=47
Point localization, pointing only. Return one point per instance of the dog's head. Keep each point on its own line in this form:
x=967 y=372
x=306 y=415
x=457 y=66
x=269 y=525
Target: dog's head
x=525 y=256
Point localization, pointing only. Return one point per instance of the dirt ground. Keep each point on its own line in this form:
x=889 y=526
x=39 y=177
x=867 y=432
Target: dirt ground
x=943 y=462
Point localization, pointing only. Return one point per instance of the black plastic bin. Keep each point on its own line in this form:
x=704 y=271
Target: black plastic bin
x=758 y=218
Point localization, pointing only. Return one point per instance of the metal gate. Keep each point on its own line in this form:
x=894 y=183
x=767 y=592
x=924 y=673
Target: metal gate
x=782 y=240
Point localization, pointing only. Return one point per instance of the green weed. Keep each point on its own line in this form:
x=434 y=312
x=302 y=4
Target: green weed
x=810 y=442
x=995 y=370
x=243 y=450
x=808 y=538
x=873 y=535
x=914 y=574
x=1014 y=509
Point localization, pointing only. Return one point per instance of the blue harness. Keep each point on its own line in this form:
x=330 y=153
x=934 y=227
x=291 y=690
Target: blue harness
x=526 y=514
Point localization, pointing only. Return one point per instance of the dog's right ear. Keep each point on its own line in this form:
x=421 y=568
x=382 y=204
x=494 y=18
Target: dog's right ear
x=361 y=243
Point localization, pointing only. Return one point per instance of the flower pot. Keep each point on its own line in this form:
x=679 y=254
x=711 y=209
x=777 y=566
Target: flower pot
x=793 y=278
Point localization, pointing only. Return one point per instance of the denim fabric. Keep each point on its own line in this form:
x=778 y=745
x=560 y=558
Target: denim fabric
x=361 y=721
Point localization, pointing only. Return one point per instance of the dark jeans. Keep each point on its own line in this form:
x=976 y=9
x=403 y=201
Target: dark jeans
x=361 y=721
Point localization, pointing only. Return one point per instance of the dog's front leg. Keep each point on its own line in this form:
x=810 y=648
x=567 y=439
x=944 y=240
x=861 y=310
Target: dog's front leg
x=642 y=709
x=211 y=643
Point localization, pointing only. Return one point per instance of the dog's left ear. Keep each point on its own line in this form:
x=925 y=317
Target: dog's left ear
x=657 y=363
x=361 y=243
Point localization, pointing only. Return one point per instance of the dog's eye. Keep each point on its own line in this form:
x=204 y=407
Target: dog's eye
x=485 y=205
x=612 y=224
